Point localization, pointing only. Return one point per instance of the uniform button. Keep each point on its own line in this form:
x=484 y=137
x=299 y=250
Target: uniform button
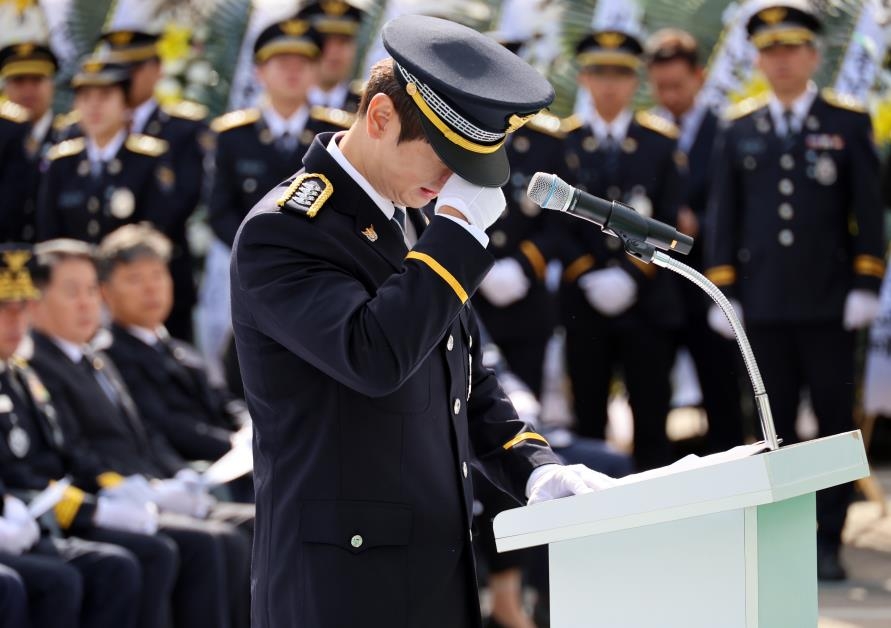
x=93 y=228
x=93 y=205
x=450 y=343
x=464 y=468
x=786 y=187
x=249 y=185
x=457 y=406
x=785 y=211
x=786 y=237
x=498 y=238
x=787 y=162
x=356 y=541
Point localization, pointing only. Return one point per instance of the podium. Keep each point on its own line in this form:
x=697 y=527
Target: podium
x=728 y=545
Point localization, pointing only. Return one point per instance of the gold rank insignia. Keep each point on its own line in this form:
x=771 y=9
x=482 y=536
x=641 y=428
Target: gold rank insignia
x=15 y=279
x=370 y=233
x=610 y=39
x=307 y=193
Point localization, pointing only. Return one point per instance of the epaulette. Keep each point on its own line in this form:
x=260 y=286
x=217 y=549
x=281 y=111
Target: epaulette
x=65 y=120
x=658 y=124
x=570 y=124
x=187 y=110
x=357 y=87
x=13 y=112
x=842 y=101
x=547 y=124
x=306 y=194
x=146 y=145
x=745 y=107
x=337 y=117
x=235 y=119
x=67 y=148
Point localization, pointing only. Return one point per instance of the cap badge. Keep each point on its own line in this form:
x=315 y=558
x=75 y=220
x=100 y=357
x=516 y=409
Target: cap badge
x=610 y=40
x=773 y=15
x=335 y=8
x=120 y=38
x=91 y=67
x=294 y=28
x=23 y=50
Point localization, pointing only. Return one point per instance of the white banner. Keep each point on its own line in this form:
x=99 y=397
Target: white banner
x=730 y=67
x=866 y=50
x=877 y=378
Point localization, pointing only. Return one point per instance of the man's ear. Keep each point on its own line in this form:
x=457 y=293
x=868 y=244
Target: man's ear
x=380 y=114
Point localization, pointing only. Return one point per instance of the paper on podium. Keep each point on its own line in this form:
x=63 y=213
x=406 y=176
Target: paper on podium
x=48 y=497
x=693 y=461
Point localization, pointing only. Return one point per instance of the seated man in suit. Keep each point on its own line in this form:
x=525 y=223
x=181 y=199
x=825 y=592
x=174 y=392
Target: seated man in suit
x=213 y=582
x=166 y=377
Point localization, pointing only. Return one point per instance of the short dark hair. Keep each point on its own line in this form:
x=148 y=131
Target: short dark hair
x=129 y=243
x=48 y=255
x=671 y=44
x=382 y=80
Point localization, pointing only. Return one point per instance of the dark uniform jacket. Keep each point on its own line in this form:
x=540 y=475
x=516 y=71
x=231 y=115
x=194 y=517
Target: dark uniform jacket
x=14 y=130
x=645 y=176
x=796 y=222
x=136 y=185
x=169 y=385
x=362 y=372
x=115 y=431
x=248 y=163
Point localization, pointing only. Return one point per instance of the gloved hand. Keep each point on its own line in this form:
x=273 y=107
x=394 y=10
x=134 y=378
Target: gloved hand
x=610 y=291
x=861 y=309
x=244 y=437
x=719 y=323
x=481 y=206
x=506 y=283
x=18 y=530
x=123 y=514
x=552 y=481
x=135 y=489
x=183 y=497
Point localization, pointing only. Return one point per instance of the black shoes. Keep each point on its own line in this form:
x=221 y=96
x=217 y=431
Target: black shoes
x=829 y=566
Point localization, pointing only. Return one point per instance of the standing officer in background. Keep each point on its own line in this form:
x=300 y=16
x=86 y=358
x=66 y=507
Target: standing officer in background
x=338 y=22
x=676 y=77
x=796 y=238
x=618 y=312
x=364 y=481
x=14 y=129
x=182 y=126
x=28 y=69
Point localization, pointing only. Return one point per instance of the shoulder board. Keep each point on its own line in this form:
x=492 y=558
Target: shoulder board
x=572 y=123
x=146 y=145
x=13 y=112
x=658 y=124
x=843 y=101
x=235 y=119
x=547 y=124
x=358 y=86
x=337 y=117
x=745 y=107
x=65 y=120
x=67 y=148
x=306 y=194
x=187 y=110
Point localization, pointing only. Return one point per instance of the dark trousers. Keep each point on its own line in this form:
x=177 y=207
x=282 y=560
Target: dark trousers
x=820 y=357
x=13 y=599
x=718 y=364
x=595 y=348
x=159 y=562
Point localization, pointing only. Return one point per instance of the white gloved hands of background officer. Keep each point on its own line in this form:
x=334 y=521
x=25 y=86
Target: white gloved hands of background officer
x=861 y=309
x=18 y=530
x=480 y=206
x=552 y=481
x=505 y=283
x=185 y=494
x=127 y=515
x=610 y=291
x=719 y=323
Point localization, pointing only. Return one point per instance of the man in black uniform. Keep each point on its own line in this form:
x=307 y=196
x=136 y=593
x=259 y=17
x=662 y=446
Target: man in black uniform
x=27 y=69
x=619 y=313
x=14 y=130
x=360 y=359
x=796 y=238
x=182 y=126
x=676 y=77
x=338 y=21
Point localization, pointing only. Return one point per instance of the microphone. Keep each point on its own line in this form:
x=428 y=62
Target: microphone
x=617 y=219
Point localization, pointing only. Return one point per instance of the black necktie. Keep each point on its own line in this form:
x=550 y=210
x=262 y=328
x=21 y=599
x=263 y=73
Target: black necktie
x=611 y=159
x=398 y=219
x=789 y=119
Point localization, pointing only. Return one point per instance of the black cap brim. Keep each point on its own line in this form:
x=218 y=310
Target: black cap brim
x=489 y=170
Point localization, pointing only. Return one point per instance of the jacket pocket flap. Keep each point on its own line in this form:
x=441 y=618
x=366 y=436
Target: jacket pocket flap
x=355 y=526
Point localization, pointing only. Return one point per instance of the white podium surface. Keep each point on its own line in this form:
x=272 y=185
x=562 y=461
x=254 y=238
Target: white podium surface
x=724 y=545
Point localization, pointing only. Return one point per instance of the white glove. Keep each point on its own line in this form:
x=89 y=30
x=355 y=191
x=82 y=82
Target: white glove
x=122 y=514
x=861 y=309
x=610 y=291
x=719 y=323
x=481 y=206
x=244 y=437
x=552 y=481
x=135 y=489
x=18 y=530
x=185 y=498
x=506 y=283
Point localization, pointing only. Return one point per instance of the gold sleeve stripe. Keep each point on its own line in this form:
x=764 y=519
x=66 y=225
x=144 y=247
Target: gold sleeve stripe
x=109 y=479
x=721 y=275
x=66 y=509
x=869 y=265
x=519 y=438
x=535 y=258
x=440 y=270
x=578 y=268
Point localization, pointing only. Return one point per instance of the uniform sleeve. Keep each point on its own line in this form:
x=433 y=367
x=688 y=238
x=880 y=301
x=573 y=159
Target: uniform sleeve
x=722 y=218
x=320 y=311
x=223 y=211
x=867 y=212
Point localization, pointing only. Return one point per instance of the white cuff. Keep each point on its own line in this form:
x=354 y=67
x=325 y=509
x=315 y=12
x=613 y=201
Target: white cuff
x=476 y=232
x=537 y=472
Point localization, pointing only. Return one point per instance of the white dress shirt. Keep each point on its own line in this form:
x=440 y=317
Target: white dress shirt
x=800 y=109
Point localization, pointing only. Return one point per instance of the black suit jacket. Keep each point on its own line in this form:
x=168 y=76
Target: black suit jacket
x=170 y=388
x=362 y=370
x=13 y=171
x=116 y=433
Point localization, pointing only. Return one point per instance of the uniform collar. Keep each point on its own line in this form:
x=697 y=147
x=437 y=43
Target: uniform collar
x=386 y=206
x=800 y=108
x=335 y=97
x=101 y=155
x=688 y=123
x=278 y=125
x=618 y=128
x=42 y=126
x=151 y=337
x=142 y=114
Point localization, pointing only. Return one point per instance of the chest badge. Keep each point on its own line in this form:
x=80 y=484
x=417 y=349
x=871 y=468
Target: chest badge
x=122 y=203
x=825 y=171
x=370 y=233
